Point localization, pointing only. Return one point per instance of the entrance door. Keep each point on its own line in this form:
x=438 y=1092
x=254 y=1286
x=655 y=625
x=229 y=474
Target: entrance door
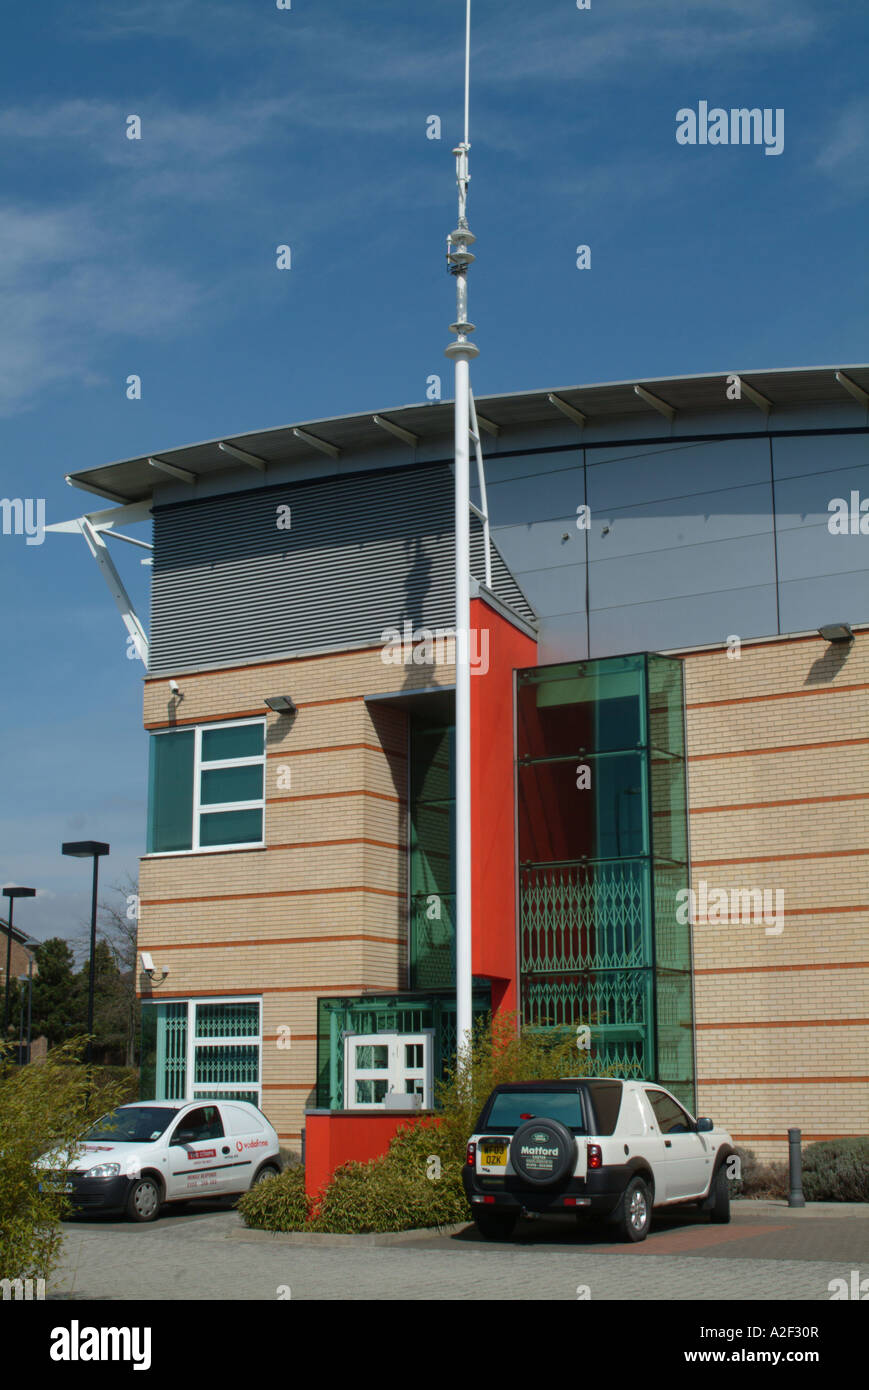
x=379 y=1064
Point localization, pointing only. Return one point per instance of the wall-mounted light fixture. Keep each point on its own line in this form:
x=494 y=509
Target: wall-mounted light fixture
x=280 y=704
x=836 y=632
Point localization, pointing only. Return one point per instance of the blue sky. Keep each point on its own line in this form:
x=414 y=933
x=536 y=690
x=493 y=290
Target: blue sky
x=307 y=127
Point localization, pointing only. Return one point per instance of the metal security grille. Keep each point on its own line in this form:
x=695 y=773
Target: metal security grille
x=585 y=917
x=364 y=552
x=174 y=1066
x=227 y=1020
x=224 y=1066
x=616 y=1005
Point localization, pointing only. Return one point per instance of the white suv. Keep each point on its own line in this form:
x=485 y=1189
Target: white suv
x=154 y=1151
x=610 y=1149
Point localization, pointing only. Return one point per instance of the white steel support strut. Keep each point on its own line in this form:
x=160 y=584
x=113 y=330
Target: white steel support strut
x=462 y=351
x=95 y=528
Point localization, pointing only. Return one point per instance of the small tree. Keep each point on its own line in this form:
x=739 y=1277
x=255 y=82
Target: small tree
x=117 y=931
x=44 y=1109
x=58 y=1003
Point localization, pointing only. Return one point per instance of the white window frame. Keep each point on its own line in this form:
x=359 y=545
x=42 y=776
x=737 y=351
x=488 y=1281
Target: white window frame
x=396 y=1074
x=248 y=1040
x=214 y=765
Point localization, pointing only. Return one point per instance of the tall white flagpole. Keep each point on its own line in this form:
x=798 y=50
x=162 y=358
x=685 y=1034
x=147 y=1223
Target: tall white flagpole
x=459 y=258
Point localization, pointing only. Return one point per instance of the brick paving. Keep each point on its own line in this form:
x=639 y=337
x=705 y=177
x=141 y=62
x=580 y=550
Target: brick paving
x=207 y=1254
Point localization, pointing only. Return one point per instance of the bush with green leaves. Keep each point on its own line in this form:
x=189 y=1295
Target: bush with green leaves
x=836 y=1170
x=44 y=1108
x=418 y=1182
x=277 y=1204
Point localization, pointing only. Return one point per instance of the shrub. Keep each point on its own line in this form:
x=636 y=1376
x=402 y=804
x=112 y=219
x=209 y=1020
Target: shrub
x=44 y=1107
x=416 y=1183
x=278 y=1204
x=762 y=1181
x=836 y=1170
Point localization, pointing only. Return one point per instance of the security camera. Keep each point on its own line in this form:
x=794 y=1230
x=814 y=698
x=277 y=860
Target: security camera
x=147 y=963
x=173 y=686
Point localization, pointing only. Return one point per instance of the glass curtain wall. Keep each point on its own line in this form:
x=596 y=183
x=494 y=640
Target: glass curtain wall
x=602 y=854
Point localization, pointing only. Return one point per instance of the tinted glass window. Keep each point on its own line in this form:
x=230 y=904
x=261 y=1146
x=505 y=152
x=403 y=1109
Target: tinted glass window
x=510 y=1109
x=137 y=1124
x=606 y=1097
x=671 y=1118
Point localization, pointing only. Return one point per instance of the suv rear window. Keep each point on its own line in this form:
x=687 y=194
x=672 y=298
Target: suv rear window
x=510 y=1109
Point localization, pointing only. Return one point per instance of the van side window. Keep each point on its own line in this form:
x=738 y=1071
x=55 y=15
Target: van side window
x=204 y=1123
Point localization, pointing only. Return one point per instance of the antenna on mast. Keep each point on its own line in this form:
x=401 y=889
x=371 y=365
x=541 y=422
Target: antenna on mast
x=459 y=258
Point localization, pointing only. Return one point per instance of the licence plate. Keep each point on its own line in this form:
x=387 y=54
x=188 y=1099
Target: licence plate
x=494 y=1158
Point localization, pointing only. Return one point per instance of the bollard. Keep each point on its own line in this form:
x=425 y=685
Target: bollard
x=795 y=1166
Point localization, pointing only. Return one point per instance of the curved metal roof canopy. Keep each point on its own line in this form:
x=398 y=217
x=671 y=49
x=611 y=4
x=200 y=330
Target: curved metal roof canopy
x=133 y=480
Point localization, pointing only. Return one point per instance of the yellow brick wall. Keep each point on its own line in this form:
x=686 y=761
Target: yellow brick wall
x=322 y=908
x=782 y=1038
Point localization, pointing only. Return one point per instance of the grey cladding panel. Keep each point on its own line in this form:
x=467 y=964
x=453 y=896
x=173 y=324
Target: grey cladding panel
x=365 y=552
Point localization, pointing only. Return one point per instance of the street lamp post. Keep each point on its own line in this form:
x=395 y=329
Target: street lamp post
x=89 y=849
x=11 y=894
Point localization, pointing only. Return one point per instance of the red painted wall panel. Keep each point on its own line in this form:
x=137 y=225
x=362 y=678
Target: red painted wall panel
x=341 y=1137
x=493 y=847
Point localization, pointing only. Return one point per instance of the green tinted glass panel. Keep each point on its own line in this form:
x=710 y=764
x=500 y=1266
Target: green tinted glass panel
x=574 y=809
x=666 y=718
x=669 y=807
x=431 y=764
x=597 y=705
x=432 y=838
x=170 y=792
x=240 y=741
x=230 y=828
x=232 y=784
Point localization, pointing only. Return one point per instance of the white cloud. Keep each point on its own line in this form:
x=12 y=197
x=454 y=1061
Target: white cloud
x=63 y=293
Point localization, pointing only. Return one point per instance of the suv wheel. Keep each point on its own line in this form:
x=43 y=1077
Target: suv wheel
x=719 y=1194
x=144 y=1200
x=496 y=1225
x=633 y=1215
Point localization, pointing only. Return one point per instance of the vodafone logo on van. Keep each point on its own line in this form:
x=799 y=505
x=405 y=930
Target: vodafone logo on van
x=251 y=1144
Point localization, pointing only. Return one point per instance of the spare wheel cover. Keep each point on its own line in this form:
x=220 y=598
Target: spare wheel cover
x=543 y=1152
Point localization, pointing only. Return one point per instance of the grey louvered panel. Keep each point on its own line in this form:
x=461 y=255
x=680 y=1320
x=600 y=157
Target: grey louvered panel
x=365 y=552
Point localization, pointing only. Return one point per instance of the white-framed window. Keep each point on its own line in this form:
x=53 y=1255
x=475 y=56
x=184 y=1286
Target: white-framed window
x=206 y=1048
x=207 y=788
x=379 y=1064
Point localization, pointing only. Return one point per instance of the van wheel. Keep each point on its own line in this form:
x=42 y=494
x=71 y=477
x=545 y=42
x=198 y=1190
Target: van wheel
x=144 y=1200
x=496 y=1225
x=633 y=1215
x=268 y=1170
x=719 y=1210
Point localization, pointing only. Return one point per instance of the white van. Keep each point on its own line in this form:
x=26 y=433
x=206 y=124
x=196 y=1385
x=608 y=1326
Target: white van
x=142 y=1155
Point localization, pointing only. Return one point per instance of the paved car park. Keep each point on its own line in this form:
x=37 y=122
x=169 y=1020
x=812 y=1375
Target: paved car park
x=767 y=1253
